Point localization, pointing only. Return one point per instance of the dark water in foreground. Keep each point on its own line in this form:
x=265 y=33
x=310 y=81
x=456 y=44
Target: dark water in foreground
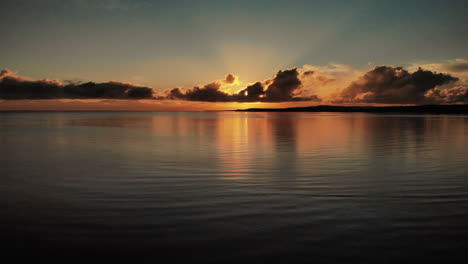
x=233 y=186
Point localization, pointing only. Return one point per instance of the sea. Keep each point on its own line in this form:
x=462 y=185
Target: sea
x=234 y=187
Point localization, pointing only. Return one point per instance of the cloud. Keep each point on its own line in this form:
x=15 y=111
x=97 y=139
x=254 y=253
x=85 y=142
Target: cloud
x=285 y=86
x=207 y=93
x=454 y=95
x=230 y=78
x=108 y=90
x=326 y=80
x=14 y=87
x=332 y=83
x=5 y=73
x=456 y=67
x=308 y=73
x=393 y=85
x=253 y=91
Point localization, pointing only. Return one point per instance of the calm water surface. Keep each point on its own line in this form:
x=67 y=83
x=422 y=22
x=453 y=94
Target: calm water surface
x=235 y=187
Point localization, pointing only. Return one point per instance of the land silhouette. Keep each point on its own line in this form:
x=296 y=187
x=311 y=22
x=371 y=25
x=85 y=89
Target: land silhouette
x=417 y=109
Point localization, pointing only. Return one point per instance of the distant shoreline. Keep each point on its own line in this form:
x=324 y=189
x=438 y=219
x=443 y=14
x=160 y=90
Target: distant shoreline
x=418 y=109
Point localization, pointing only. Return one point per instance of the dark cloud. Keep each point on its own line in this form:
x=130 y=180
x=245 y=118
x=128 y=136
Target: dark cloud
x=17 y=88
x=284 y=87
x=393 y=85
x=107 y=90
x=307 y=73
x=253 y=91
x=13 y=88
x=458 y=94
x=208 y=93
x=230 y=78
x=5 y=72
x=175 y=94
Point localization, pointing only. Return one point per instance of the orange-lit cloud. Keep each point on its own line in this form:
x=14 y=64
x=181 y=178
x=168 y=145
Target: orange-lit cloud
x=457 y=94
x=325 y=81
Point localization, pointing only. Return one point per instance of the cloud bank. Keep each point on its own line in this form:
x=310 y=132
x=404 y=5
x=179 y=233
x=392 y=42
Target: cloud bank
x=14 y=87
x=455 y=67
x=457 y=94
x=394 y=85
x=330 y=84
x=285 y=86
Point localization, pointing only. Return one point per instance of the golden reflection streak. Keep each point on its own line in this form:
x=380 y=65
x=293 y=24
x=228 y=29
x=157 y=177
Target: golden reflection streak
x=239 y=140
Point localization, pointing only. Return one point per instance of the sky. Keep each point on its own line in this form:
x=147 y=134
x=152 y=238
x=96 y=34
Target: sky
x=204 y=55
